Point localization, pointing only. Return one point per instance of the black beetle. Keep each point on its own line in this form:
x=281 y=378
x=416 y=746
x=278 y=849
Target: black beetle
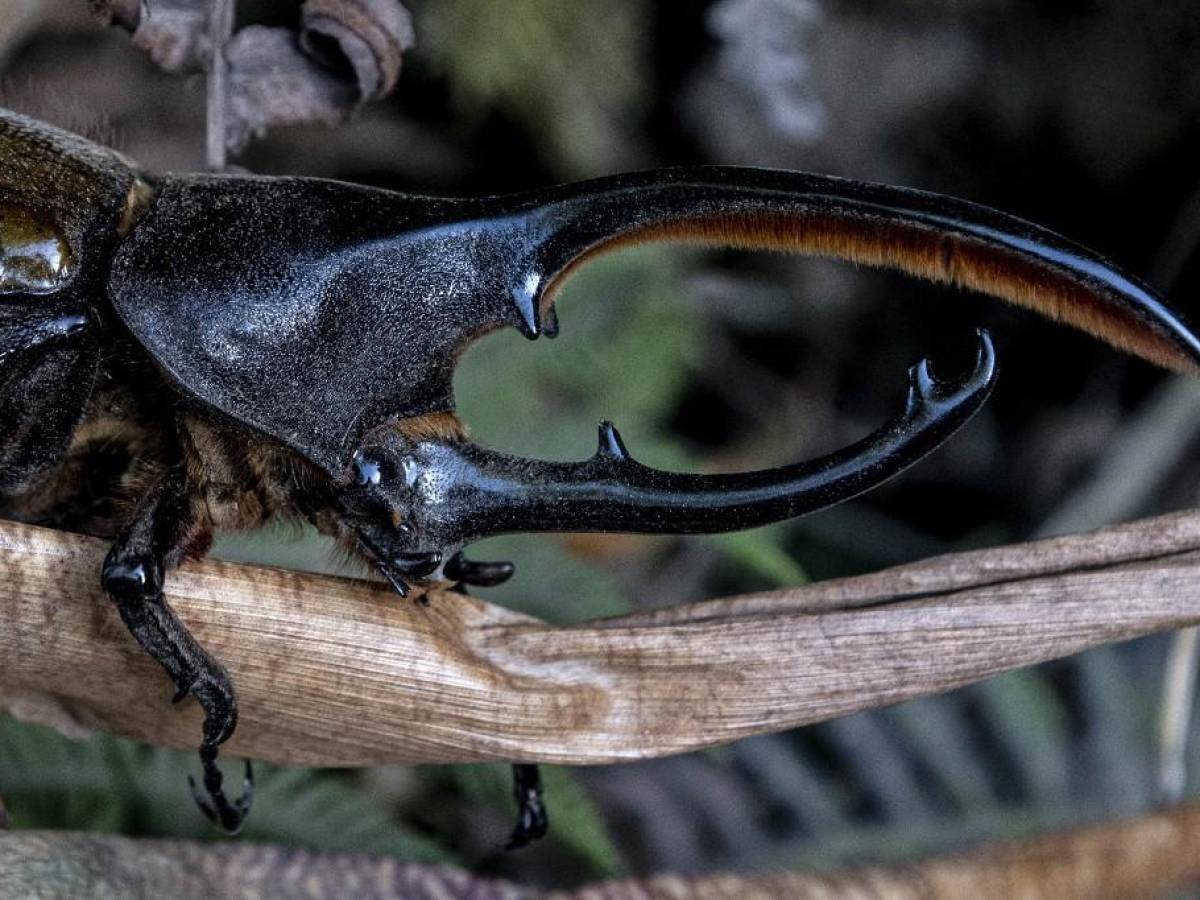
x=222 y=349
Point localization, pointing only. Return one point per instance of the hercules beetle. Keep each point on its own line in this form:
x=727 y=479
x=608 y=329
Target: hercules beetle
x=222 y=349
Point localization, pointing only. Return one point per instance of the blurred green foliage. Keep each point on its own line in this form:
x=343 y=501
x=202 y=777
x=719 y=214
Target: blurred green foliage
x=575 y=74
x=110 y=785
x=107 y=784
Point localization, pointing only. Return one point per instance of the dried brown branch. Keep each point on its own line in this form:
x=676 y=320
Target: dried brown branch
x=338 y=672
x=1147 y=857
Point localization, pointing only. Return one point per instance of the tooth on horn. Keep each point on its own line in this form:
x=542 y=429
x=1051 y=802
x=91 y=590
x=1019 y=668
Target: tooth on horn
x=611 y=446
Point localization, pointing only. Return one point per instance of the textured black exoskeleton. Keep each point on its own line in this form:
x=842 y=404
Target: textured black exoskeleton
x=217 y=350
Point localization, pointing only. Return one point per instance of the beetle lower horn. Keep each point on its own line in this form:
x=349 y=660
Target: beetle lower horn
x=466 y=492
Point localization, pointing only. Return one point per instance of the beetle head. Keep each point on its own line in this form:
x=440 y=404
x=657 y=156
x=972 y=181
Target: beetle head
x=380 y=502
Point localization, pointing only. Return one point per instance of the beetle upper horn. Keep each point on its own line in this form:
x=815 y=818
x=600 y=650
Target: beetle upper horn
x=925 y=234
x=469 y=492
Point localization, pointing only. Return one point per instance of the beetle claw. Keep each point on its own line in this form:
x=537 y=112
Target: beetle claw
x=216 y=806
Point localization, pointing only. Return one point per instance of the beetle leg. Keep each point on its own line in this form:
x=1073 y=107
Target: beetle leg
x=532 y=820
x=155 y=538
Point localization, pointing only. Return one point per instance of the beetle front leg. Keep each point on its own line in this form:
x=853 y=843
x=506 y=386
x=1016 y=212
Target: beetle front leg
x=154 y=539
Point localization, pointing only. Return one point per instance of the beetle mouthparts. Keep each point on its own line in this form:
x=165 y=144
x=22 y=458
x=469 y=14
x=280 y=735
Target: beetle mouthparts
x=416 y=565
x=398 y=569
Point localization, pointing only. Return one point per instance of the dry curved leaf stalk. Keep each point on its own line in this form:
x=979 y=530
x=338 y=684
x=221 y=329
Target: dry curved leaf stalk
x=340 y=672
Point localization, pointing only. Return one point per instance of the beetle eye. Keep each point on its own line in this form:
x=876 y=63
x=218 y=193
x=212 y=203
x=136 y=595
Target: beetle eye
x=376 y=469
x=369 y=471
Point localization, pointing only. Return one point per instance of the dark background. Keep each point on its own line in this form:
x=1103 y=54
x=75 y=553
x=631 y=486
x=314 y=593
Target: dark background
x=1082 y=116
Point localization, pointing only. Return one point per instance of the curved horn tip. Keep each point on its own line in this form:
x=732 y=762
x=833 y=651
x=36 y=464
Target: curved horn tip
x=925 y=387
x=610 y=444
x=985 y=357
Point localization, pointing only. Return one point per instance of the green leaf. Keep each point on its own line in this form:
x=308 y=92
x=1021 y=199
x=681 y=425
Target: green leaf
x=761 y=552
